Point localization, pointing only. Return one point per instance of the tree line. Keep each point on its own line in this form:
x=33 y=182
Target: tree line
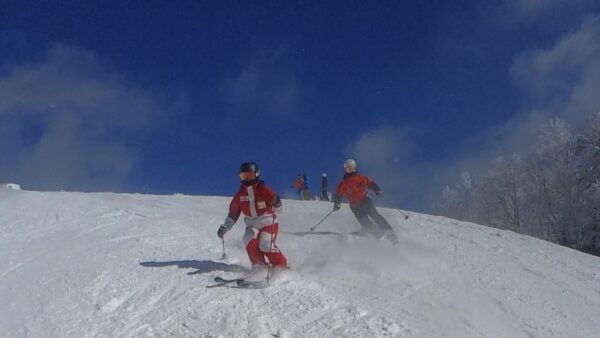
x=552 y=192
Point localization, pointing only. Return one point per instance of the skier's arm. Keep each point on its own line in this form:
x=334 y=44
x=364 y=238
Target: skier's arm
x=272 y=196
x=276 y=202
x=337 y=198
x=373 y=186
x=234 y=213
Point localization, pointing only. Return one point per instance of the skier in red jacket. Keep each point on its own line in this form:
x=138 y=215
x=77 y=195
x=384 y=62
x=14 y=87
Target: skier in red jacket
x=257 y=202
x=354 y=186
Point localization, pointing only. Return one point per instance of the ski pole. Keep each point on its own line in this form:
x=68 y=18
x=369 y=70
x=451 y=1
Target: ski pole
x=224 y=254
x=321 y=221
x=400 y=211
x=271 y=249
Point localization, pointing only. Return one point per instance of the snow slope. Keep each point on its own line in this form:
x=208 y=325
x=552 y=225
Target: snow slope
x=115 y=265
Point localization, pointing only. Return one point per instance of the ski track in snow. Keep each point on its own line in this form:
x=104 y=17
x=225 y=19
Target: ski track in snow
x=129 y=265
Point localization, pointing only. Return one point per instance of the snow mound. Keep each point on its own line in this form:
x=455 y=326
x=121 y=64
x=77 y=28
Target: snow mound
x=116 y=265
x=11 y=186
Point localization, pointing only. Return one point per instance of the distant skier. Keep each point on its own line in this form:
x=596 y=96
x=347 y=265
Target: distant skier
x=306 y=190
x=354 y=186
x=324 y=187
x=301 y=185
x=257 y=202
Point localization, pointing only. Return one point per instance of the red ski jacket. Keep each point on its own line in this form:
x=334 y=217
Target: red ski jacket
x=299 y=183
x=254 y=201
x=354 y=186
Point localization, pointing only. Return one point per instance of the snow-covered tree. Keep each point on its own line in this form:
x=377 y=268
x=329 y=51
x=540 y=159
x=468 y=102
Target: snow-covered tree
x=552 y=171
x=587 y=148
x=591 y=237
x=502 y=195
x=587 y=151
x=455 y=201
x=553 y=192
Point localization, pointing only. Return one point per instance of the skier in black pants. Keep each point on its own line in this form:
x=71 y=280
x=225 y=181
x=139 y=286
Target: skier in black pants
x=354 y=186
x=324 y=187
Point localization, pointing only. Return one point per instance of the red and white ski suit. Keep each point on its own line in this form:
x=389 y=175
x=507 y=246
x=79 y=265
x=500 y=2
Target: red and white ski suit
x=257 y=202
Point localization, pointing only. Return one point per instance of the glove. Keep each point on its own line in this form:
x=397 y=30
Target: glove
x=336 y=206
x=378 y=192
x=222 y=230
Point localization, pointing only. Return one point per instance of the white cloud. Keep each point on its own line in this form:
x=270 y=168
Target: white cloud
x=65 y=117
x=565 y=79
x=386 y=155
x=561 y=81
x=383 y=149
x=527 y=9
x=262 y=86
x=543 y=15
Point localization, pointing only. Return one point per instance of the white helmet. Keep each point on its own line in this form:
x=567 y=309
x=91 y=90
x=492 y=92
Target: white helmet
x=350 y=165
x=324 y=175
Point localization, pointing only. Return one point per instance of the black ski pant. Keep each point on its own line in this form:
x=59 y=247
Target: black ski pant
x=325 y=194
x=367 y=214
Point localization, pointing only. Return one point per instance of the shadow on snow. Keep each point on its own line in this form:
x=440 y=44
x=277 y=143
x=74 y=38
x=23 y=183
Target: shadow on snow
x=200 y=266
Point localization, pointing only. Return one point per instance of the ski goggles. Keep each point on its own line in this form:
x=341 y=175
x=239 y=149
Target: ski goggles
x=247 y=176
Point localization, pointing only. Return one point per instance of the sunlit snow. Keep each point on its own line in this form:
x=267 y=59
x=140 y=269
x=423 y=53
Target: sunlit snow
x=117 y=265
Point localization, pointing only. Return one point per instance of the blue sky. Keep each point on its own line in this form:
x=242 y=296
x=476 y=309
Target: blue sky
x=171 y=96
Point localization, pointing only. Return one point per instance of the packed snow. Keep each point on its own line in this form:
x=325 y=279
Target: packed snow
x=121 y=265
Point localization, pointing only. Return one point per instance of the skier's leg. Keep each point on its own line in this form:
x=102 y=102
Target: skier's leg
x=325 y=195
x=384 y=228
x=362 y=217
x=377 y=218
x=252 y=246
x=362 y=212
x=266 y=240
x=305 y=195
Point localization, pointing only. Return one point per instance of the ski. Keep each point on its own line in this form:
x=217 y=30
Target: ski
x=239 y=283
x=226 y=280
x=223 y=282
x=245 y=284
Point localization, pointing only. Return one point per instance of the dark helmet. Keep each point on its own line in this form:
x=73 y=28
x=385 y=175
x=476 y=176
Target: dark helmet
x=249 y=172
x=249 y=167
